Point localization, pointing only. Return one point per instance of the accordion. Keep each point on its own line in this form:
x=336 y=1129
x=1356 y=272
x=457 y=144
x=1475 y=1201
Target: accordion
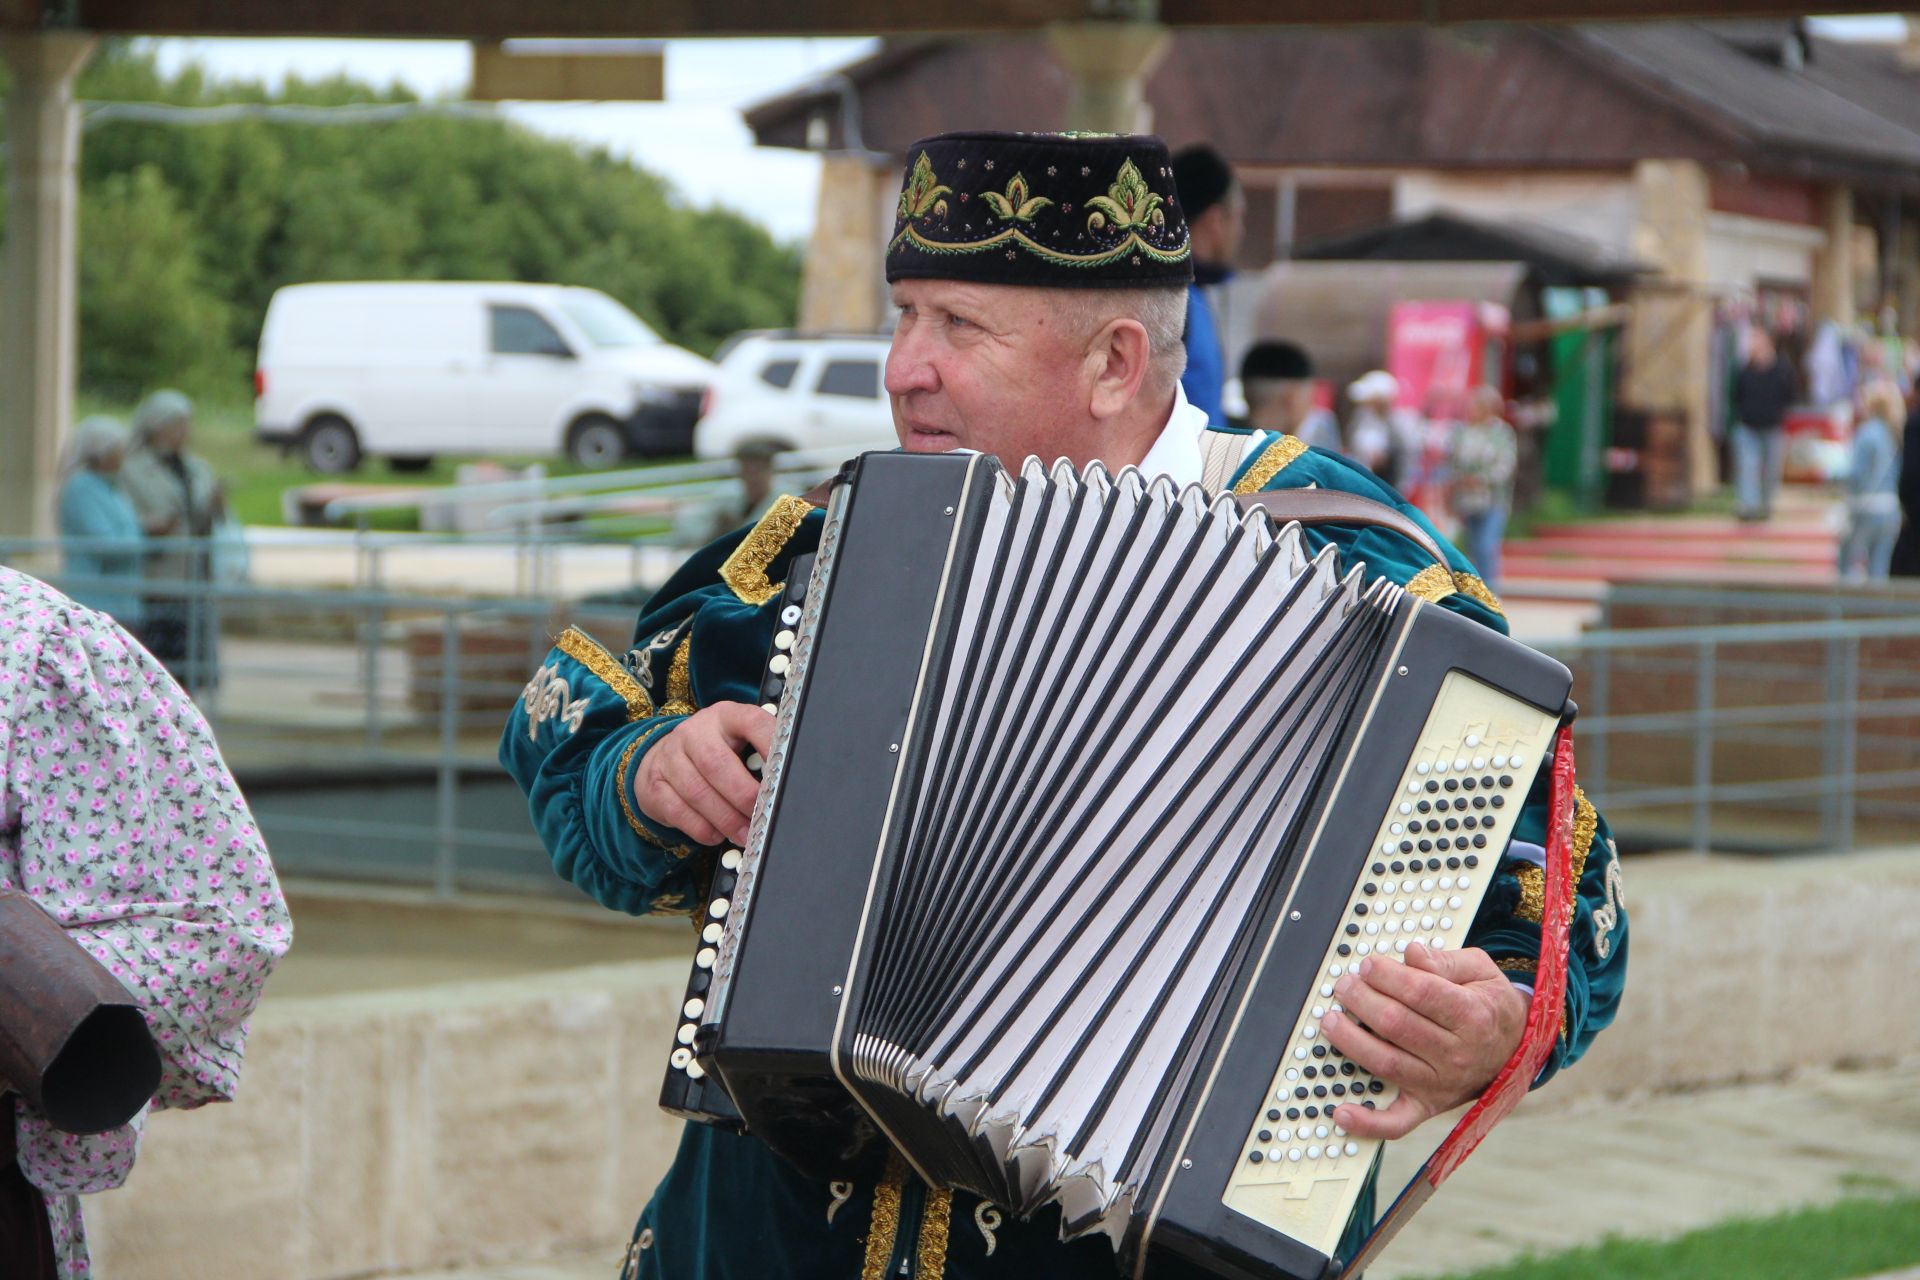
x=1084 y=790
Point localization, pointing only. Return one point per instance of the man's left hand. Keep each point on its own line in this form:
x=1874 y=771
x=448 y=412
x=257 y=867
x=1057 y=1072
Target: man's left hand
x=1439 y=1027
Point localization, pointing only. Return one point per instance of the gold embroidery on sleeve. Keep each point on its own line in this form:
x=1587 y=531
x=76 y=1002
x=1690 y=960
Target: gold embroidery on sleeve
x=1473 y=586
x=1586 y=821
x=935 y=1222
x=886 y=1219
x=1517 y=964
x=1433 y=583
x=586 y=651
x=626 y=792
x=745 y=571
x=1533 y=893
x=680 y=681
x=1272 y=461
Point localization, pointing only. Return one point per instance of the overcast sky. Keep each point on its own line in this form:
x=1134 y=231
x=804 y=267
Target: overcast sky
x=695 y=138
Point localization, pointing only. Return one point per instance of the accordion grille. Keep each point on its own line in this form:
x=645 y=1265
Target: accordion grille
x=1126 y=730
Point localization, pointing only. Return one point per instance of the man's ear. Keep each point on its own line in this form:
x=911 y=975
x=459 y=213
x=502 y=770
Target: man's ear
x=1118 y=358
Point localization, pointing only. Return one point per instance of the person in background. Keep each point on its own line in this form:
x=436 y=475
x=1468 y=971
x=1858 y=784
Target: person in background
x=1763 y=391
x=1906 y=551
x=755 y=460
x=1277 y=380
x=123 y=824
x=1480 y=466
x=178 y=498
x=1379 y=436
x=1873 y=500
x=96 y=516
x=1216 y=216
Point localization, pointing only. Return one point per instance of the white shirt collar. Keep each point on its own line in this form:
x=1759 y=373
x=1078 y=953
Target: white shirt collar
x=1176 y=452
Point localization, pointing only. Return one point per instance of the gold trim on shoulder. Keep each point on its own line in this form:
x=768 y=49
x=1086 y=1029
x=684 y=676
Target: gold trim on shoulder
x=935 y=1222
x=1433 y=583
x=1270 y=462
x=589 y=653
x=1479 y=590
x=626 y=793
x=680 y=681
x=746 y=569
x=885 y=1226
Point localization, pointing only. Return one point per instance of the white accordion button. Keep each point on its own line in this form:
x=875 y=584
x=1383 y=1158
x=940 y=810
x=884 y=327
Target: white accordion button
x=695 y=1070
x=1473 y=739
x=1313 y=1153
x=1446 y=922
x=1352 y=1148
x=730 y=860
x=717 y=908
x=694 y=1007
x=712 y=933
x=1423 y=767
x=771 y=708
x=1405 y=808
x=783 y=641
x=790 y=614
x=1499 y=762
x=779 y=663
x=706 y=957
x=680 y=1058
x=756 y=761
x=685 y=1034
x=1426 y=922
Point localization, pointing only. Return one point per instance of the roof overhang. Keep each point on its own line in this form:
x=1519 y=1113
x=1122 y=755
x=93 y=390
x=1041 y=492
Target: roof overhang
x=507 y=19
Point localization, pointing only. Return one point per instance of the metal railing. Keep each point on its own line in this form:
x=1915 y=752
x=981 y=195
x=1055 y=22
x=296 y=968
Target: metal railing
x=364 y=724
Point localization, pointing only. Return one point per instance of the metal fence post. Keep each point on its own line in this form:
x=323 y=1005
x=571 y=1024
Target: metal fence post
x=1832 y=746
x=1593 y=752
x=447 y=808
x=1703 y=747
x=1848 y=707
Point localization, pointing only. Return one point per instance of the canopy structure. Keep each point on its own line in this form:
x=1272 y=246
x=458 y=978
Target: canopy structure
x=1107 y=47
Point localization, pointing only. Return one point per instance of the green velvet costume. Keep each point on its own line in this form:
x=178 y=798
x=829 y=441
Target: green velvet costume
x=729 y=1209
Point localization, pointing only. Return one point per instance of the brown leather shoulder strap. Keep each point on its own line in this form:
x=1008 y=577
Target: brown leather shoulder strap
x=1330 y=506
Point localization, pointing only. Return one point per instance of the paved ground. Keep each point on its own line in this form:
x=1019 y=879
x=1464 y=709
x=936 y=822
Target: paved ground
x=1548 y=1180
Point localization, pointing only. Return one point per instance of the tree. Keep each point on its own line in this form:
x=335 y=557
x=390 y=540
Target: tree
x=187 y=230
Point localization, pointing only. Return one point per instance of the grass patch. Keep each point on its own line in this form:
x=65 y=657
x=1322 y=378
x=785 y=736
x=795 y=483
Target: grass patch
x=256 y=475
x=1858 y=1236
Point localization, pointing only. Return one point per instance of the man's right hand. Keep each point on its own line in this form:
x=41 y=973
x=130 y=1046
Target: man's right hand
x=695 y=778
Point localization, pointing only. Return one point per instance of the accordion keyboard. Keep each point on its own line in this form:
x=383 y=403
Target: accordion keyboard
x=1431 y=858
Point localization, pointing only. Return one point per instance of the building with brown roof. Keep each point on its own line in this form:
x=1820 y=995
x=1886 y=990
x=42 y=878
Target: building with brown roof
x=1736 y=161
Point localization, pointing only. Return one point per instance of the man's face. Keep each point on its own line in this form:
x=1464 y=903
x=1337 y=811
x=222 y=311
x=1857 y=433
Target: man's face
x=992 y=368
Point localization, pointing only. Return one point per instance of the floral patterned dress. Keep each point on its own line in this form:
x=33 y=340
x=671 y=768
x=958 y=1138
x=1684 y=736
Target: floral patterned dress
x=120 y=819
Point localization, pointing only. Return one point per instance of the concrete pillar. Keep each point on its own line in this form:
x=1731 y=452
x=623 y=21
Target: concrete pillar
x=1833 y=263
x=841 y=282
x=1669 y=338
x=39 y=303
x=1109 y=62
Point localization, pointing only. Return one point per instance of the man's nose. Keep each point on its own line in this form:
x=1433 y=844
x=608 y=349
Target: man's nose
x=909 y=366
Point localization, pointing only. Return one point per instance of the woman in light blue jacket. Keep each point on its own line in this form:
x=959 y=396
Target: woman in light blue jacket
x=103 y=548
x=1873 y=503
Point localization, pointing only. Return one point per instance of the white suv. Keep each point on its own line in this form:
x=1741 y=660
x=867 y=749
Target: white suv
x=797 y=391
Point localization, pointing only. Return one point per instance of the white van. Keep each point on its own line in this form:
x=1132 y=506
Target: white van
x=411 y=370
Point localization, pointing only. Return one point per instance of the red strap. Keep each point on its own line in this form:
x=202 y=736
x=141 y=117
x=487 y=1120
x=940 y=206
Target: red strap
x=1544 y=1016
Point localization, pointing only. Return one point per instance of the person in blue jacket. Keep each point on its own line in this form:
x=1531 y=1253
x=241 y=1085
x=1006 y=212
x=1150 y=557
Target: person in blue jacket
x=1215 y=210
x=101 y=530
x=1040 y=281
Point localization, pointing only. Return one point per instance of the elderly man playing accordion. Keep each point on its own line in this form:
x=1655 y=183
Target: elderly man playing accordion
x=1040 y=281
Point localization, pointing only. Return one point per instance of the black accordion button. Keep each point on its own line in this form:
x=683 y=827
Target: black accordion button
x=1487 y=782
x=1273 y=1113
x=1499 y=802
x=1453 y=864
x=1313 y=1113
x=1398 y=867
x=1506 y=779
x=1432 y=785
x=1452 y=784
x=1379 y=868
x=1444 y=842
x=1311 y=1072
x=1339 y=1091
x=1359 y=908
x=1352 y=929
x=1368 y=1104
x=1416 y=827
x=1468 y=783
x=1453 y=824
x=1319 y=1091
x=1347 y=1068
x=1293 y=1113
x=1479 y=842
x=1479 y=802
x=1343 y=949
x=1426 y=846
x=1319 y=1051
x=1375 y=1086
x=1300 y=1092
x=1426 y=806
x=1472 y=861
x=1265 y=1135
x=1253 y=1157
x=1368 y=889
x=1406 y=846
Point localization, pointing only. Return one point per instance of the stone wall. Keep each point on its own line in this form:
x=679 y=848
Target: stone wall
x=516 y=1118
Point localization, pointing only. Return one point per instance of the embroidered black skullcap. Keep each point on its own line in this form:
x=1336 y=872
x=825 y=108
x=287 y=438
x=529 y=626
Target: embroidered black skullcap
x=1074 y=211
x=1203 y=178
x=1275 y=361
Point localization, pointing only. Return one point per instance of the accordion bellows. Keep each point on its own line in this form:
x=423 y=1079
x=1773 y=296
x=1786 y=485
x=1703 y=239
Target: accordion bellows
x=1081 y=788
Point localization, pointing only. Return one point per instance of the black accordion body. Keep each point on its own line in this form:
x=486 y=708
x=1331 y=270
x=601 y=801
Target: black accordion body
x=1084 y=791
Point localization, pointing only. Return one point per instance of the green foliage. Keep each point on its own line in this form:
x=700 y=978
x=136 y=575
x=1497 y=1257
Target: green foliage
x=186 y=230
x=1858 y=1236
